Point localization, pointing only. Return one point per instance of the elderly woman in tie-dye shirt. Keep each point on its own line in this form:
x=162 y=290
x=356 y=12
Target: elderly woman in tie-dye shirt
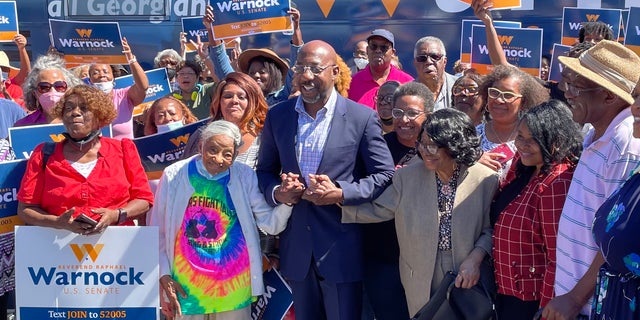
x=207 y=208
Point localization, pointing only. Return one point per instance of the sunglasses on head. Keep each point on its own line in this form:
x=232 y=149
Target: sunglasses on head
x=59 y=86
x=435 y=57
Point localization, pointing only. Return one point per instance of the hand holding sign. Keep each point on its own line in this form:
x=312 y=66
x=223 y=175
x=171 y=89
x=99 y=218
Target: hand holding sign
x=481 y=10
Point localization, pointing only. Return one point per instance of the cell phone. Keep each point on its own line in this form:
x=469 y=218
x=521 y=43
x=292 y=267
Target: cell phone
x=506 y=150
x=86 y=219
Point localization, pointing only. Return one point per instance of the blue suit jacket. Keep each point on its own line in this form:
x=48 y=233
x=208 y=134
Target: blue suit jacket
x=356 y=157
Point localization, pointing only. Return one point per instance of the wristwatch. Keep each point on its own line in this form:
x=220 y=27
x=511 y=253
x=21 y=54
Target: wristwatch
x=122 y=215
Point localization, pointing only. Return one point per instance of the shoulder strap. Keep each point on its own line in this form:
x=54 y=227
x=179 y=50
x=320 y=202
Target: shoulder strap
x=47 y=150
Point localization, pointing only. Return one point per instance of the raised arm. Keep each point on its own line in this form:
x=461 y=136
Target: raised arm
x=481 y=10
x=25 y=63
x=138 y=91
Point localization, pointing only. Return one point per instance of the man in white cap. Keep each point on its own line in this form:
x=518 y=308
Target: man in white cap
x=14 y=77
x=380 y=50
x=598 y=87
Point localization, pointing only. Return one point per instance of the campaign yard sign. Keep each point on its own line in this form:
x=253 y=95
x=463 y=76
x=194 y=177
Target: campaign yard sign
x=235 y=18
x=523 y=48
x=84 y=42
x=277 y=298
x=555 y=69
x=25 y=139
x=193 y=27
x=465 y=36
x=159 y=86
x=632 y=38
x=11 y=173
x=160 y=150
x=572 y=19
x=8 y=20
x=65 y=275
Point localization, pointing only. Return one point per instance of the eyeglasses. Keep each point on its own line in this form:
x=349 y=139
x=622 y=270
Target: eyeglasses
x=59 y=86
x=466 y=90
x=410 y=114
x=573 y=90
x=300 y=69
x=374 y=47
x=385 y=99
x=507 y=96
x=184 y=74
x=430 y=148
x=435 y=57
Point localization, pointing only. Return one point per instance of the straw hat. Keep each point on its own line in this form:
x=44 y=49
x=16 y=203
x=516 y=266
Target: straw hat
x=4 y=61
x=610 y=65
x=247 y=55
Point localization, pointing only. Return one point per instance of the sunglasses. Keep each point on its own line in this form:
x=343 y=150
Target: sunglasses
x=59 y=86
x=467 y=90
x=375 y=47
x=435 y=57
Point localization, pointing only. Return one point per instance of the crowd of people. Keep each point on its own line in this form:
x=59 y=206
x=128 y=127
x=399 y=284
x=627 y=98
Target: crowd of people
x=364 y=185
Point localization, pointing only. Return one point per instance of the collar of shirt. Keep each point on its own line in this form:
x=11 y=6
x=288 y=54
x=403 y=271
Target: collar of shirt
x=608 y=134
x=327 y=109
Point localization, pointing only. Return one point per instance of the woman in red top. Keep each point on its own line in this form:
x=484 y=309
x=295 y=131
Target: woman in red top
x=99 y=177
x=528 y=207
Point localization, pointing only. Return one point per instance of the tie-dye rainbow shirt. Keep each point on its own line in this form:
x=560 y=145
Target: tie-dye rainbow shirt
x=211 y=258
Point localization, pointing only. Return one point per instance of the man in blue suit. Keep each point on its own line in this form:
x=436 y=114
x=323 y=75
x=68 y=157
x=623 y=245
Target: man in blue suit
x=321 y=132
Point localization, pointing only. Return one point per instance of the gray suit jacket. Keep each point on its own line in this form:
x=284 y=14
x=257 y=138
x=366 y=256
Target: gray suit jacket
x=412 y=201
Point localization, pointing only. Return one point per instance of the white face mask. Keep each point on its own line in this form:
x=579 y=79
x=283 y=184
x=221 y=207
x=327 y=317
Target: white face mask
x=361 y=63
x=105 y=87
x=170 y=126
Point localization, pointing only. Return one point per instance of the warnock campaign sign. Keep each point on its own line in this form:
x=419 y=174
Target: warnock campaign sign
x=87 y=42
x=572 y=19
x=25 y=139
x=11 y=173
x=160 y=150
x=159 y=86
x=465 y=36
x=632 y=38
x=523 y=48
x=8 y=20
x=555 y=69
x=236 y=18
x=193 y=27
x=277 y=298
x=65 y=275
x=501 y=4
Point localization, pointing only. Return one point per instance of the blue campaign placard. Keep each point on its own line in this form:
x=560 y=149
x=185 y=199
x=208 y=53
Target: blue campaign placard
x=572 y=19
x=237 y=18
x=193 y=28
x=11 y=173
x=277 y=299
x=523 y=48
x=465 y=36
x=159 y=85
x=160 y=150
x=555 y=69
x=25 y=139
x=632 y=38
x=8 y=21
x=84 y=42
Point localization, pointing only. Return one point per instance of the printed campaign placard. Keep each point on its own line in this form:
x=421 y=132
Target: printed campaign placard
x=159 y=86
x=235 y=18
x=65 y=275
x=572 y=19
x=555 y=69
x=277 y=298
x=523 y=48
x=87 y=42
x=160 y=150
x=465 y=36
x=25 y=139
x=11 y=173
x=632 y=39
x=8 y=21
x=193 y=27
x=501 y=4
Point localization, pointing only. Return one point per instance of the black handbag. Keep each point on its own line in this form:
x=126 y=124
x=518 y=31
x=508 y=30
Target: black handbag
x=451 y=303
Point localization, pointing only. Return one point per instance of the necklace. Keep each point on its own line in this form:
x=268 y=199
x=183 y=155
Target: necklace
x=495 y=133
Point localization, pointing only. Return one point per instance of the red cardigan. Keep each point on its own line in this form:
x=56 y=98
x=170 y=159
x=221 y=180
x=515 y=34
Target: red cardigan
x=117 y=178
